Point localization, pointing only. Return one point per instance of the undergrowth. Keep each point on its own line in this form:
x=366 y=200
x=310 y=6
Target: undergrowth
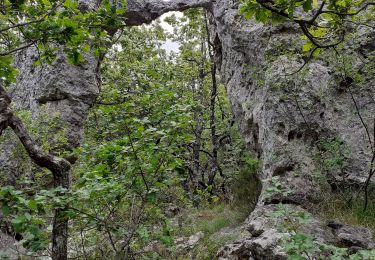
x=221 y=221
x=209 y=220
x=347 y=207
x=220 y=224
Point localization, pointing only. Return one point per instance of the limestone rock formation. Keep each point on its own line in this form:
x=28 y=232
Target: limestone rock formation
x=8 y=247
x=282 y=119
x=185 y=244
x=67 y=89
x=63 y=90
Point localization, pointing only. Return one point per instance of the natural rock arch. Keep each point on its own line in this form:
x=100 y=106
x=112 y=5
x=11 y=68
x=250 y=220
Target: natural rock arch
x=279 y=124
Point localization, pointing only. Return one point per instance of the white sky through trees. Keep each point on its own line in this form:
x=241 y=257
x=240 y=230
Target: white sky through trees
x=170 y=46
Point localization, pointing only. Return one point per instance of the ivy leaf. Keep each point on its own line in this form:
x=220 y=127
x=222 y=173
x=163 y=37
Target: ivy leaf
x=71 y=4
x=262 y=15
x=74 y=57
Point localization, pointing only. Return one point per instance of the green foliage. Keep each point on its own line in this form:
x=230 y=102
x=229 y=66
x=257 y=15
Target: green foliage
x=49 y=130
x=245 y=196
x=299 y=245
x=348 y=208
x=219 y=222
x=208 y=248
x=28 y=216
x=323 y=23
x=215 y=225
x=7 y=72
x=334 y=153
x=140 y=140
x=50 y=24
x=275 y=186
x=253 y=8
x=132 y=163
x=50 y=134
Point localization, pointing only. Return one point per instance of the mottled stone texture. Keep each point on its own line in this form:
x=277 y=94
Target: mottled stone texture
x=62 y=90
x=284 y=119
x=67 y=89
x=145 y=11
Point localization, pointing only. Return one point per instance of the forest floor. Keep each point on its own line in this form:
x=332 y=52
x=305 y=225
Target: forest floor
x=200 y=232
x=214 y=226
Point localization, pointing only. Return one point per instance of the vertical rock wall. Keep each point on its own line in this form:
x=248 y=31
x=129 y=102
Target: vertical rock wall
x=284 y=120
x=68 y=89
x=64 y=90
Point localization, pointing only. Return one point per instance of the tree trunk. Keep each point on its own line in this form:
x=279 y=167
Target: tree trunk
x=198 y=130
x=60 y=219
x=59 y=167
x=214 y=137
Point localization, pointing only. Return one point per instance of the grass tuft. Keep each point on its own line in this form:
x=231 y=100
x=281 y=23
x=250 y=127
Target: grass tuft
x=347 y=207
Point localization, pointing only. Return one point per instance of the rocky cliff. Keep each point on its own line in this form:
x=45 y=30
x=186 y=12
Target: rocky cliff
x=61 y=90
x=285 y=120
x=290 y=120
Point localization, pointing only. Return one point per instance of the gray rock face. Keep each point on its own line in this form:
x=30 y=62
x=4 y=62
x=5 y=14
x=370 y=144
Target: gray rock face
x=9 y=248
x=64 y=90
x=185 y=244
x=293 y=124
x=67 y=89
x=145 y=11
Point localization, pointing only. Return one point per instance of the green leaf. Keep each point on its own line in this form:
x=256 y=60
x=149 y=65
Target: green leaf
x=7 y=72
x=33 y=205
x=262 y=15
x=307 y=46
x=71 y=4
x=74 y=57
x=307 y=5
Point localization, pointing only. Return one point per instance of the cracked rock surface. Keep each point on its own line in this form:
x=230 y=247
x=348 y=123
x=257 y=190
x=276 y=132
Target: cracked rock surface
x=63 y=90
x=283 y=120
